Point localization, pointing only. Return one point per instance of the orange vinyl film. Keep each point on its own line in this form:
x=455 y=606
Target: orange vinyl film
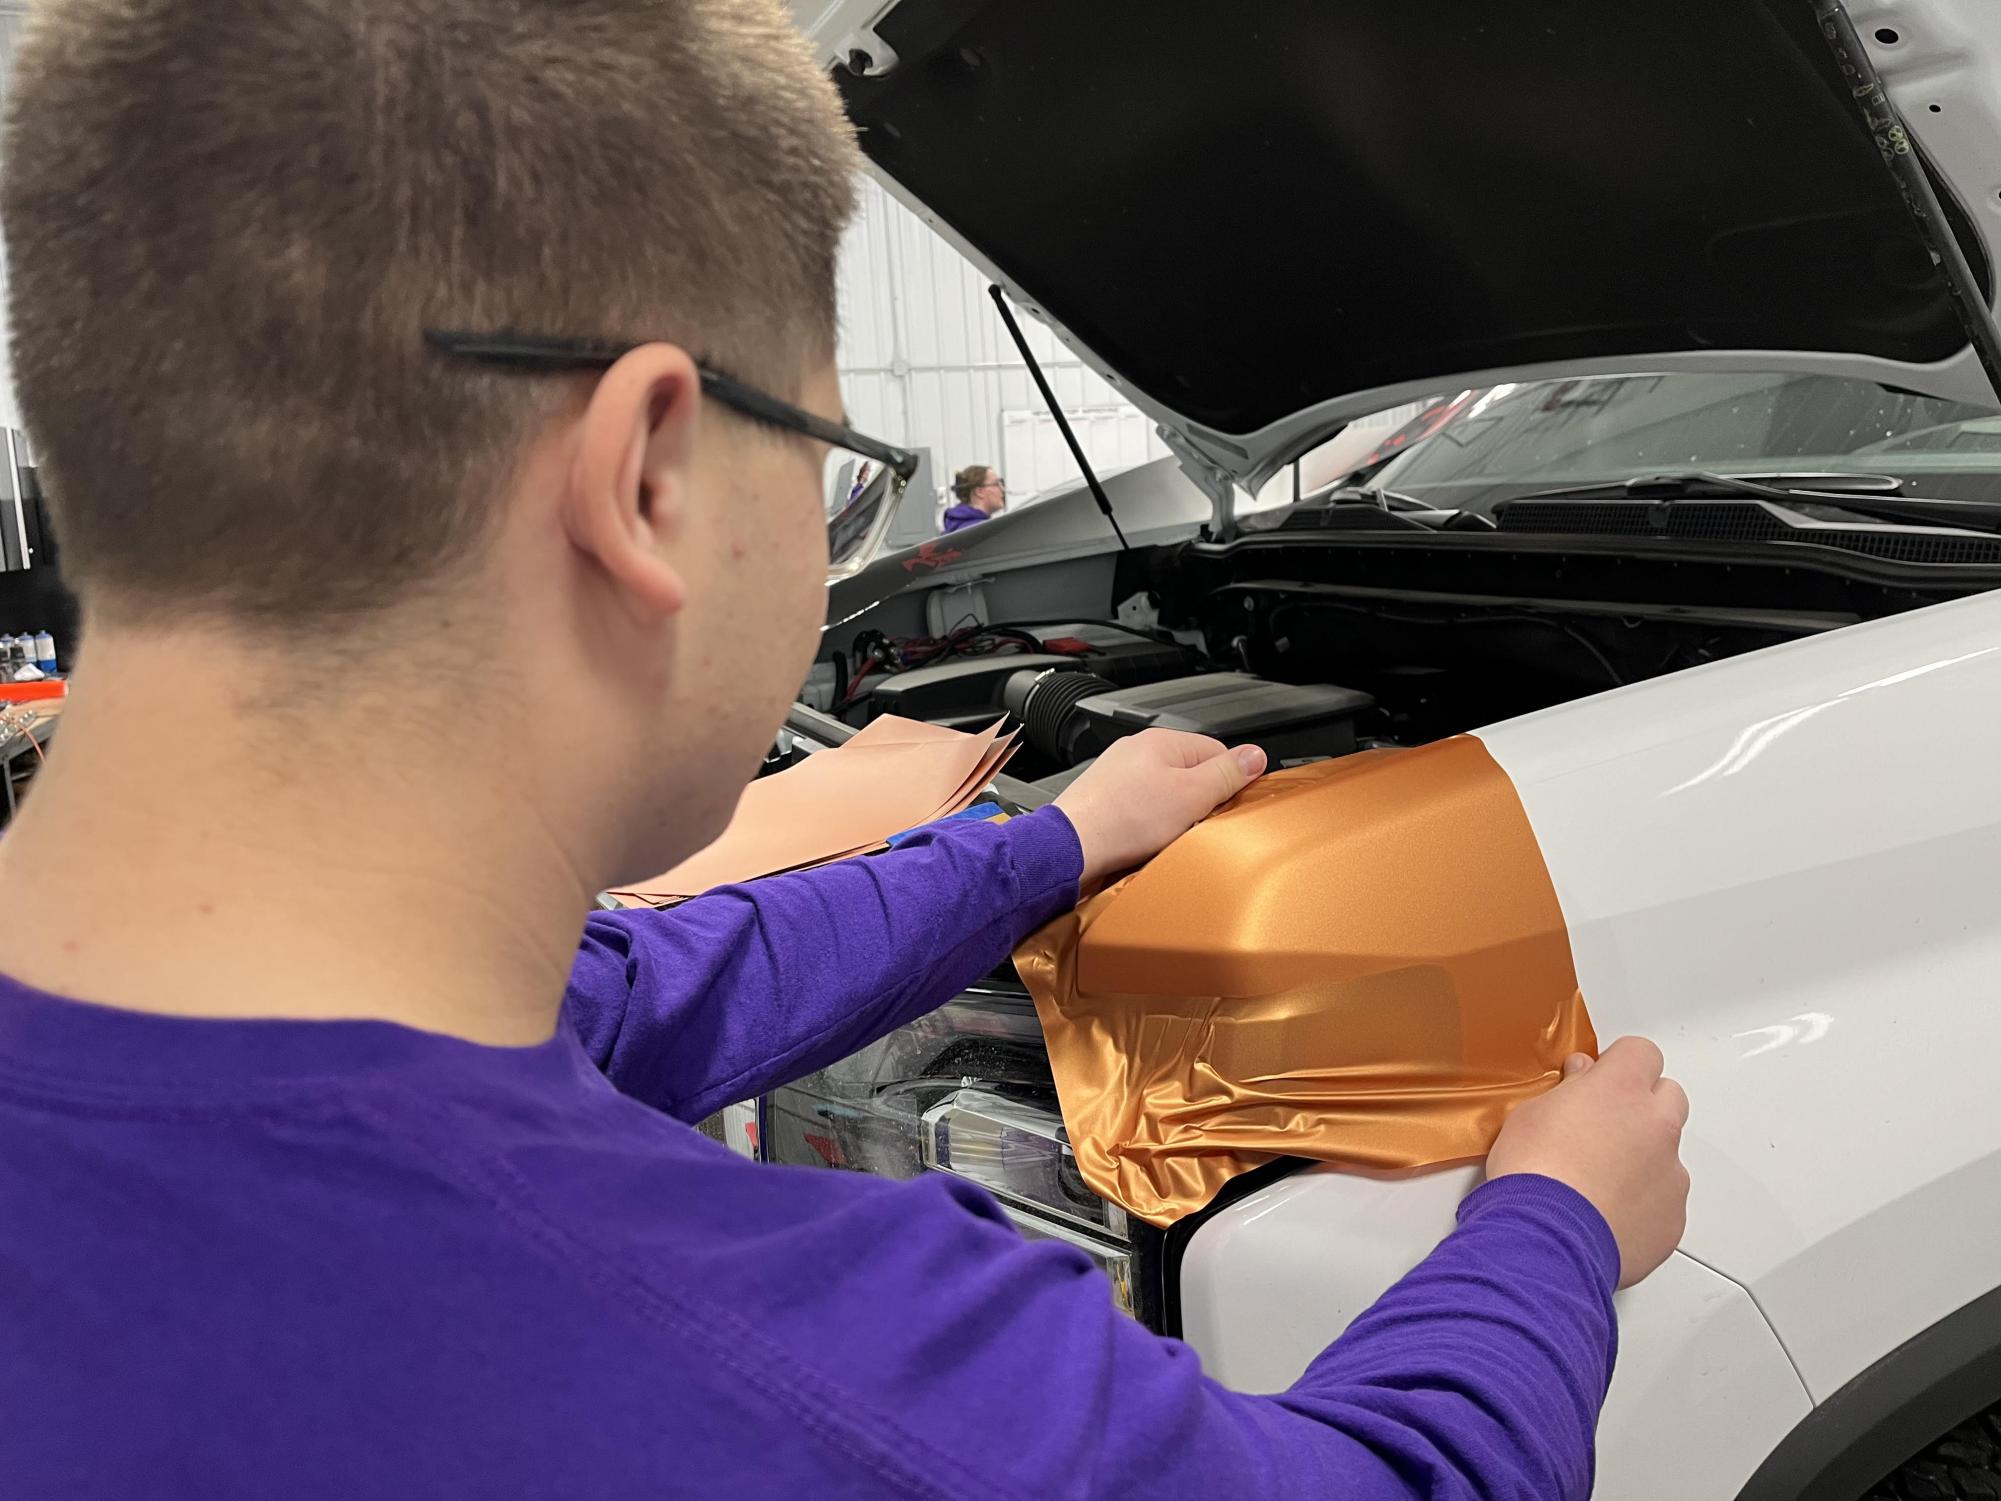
x=1361 y=961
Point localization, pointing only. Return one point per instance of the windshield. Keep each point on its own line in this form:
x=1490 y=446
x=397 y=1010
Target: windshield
x=1504 y=441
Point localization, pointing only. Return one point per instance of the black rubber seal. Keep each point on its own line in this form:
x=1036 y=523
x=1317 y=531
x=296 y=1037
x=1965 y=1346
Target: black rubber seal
x=1157 y=1254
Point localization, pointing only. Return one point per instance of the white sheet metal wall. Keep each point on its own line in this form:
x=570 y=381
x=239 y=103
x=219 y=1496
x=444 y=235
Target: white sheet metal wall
x=926 y=362
x=11 y=18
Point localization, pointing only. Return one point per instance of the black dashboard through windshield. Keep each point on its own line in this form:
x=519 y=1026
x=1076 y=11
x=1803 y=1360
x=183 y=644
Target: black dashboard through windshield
x=1508 y=441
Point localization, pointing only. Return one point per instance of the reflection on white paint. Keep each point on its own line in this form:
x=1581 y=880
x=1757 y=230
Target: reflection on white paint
x=1751 y=742
x=1917 y=672
x=1776 y=1037
x=1754 y=740
x=1808 y=1026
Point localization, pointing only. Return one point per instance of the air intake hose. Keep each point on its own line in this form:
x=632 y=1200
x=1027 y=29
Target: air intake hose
x=1046 y=702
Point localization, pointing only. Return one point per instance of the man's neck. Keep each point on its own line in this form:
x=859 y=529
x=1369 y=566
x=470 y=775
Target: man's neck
x=192 y=850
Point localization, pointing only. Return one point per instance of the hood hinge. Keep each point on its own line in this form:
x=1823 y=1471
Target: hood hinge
x=1209 y=479
x=865 y=54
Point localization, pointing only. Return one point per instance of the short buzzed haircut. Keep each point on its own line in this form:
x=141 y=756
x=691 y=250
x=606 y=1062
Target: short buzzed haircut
x=228 y=223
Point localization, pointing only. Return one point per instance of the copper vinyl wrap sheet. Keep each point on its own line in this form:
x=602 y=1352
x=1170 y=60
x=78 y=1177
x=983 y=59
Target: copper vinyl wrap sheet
x=1361 y=961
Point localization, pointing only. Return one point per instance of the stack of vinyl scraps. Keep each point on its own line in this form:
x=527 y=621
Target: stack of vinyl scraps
x=893 y=776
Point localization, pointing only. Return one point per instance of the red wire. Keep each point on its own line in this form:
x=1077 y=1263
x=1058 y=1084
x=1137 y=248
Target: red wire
x=906 y=652
x=855 y=687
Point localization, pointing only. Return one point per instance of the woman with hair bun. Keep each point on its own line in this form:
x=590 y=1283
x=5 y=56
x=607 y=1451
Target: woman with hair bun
x=979 y=492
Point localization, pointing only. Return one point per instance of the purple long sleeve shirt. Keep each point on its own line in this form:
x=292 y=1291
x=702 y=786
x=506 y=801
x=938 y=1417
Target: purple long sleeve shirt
x=351 y=1260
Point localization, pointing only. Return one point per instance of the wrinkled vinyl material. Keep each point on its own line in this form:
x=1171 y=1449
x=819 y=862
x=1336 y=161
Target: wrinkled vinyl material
x=1361 y=961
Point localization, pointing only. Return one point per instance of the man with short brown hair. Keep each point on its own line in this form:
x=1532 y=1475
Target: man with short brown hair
x=255 y=219
x=434 y=396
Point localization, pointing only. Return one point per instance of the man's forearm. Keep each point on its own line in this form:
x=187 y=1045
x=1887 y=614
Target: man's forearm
x=1492 y=1358
x=752 y=986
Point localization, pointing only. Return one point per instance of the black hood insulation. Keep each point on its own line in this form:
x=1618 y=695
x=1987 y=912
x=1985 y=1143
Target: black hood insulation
x=1248 y=210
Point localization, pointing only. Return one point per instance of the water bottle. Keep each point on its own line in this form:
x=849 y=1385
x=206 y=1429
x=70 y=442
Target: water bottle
x=45 y=652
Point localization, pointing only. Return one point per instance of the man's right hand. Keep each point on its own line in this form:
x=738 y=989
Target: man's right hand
x=1612 y=1131
x=1148 y=790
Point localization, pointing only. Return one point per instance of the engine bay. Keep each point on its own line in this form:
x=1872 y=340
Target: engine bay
x=1080 y=686
x=1313 y=650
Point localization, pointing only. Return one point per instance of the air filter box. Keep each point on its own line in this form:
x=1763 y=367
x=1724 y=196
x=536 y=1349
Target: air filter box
x=1288 y=720
x=970 y=688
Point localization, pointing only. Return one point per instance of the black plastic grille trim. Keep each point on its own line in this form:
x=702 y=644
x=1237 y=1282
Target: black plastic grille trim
x=1697 y=521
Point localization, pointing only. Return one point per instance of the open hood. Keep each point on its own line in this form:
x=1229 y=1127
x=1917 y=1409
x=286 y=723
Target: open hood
x=1262 y=220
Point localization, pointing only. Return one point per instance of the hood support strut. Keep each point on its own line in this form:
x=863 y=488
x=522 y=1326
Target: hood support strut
x=1902 y=156
x=1063 y=423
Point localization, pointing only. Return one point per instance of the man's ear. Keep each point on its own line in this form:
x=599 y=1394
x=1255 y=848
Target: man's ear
x=630 y=487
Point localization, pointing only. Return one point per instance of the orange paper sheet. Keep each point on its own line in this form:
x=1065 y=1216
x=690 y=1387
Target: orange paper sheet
x=997 y=757
x=1361 y=962
x=894 y=775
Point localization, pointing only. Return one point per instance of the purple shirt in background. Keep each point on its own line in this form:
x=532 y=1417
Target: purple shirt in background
x=351 y=1260
x=960 y=517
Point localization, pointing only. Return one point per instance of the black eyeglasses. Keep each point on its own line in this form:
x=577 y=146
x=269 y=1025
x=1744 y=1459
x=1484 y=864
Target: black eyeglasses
x=534 y=352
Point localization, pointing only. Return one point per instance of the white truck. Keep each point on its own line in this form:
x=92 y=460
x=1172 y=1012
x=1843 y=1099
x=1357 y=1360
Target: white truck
x=1699 y=555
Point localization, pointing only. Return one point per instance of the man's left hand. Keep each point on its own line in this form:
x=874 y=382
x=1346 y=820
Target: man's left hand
x=1147 y=791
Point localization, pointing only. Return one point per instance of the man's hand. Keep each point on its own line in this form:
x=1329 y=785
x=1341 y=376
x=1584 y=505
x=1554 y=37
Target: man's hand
x=1147 y=791
x=1612 y=1131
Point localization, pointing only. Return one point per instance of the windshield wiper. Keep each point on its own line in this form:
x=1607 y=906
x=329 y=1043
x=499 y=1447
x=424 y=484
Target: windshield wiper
x=1409 y=512
x=1872 y=495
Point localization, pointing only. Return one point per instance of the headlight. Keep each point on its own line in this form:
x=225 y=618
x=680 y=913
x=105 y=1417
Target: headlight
x=1018 y=1151
x=967 y=1091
